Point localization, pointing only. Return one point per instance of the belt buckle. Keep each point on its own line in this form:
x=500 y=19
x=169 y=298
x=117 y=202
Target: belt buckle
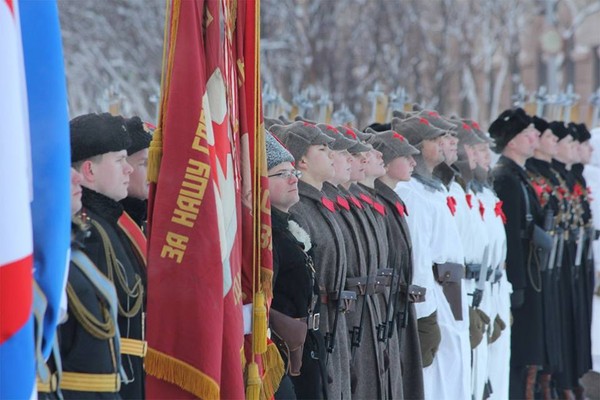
x=313 y=321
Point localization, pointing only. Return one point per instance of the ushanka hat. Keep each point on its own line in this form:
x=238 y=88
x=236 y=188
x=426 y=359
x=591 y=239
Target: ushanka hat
x=392 y=145
x=95 y=134
x=508 y=125
x=340 y=141
x=584 y=133
x=139 y=133
x=416 y=129
x=276 y=152
x=559 y=129
x=540 y=124
x=299 y=136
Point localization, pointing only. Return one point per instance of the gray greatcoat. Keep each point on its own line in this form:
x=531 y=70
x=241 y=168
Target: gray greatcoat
x=312 y=214
x=367 y=368
x=400 y=255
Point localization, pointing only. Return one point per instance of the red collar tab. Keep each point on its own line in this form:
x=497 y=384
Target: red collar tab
x=481 y=209
x=366 y=198
x=451 y=202
x=499 y=212
x=380 y=208
x=469 y=198
x=356 y=202
x=342 y=202
x=401 y=208
x=328 y=204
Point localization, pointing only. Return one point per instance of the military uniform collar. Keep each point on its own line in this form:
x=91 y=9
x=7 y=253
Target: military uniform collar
x=101 y=205
x=306 y=190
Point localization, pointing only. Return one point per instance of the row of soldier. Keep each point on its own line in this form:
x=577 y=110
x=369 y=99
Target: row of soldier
x=415 y=256
x=388 y=249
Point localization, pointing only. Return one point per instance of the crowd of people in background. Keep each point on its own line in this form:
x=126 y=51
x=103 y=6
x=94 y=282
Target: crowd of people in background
x=406 y=264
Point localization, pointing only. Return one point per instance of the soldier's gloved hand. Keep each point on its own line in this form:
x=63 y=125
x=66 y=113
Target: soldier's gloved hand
x=430 y=337
x=517 y=298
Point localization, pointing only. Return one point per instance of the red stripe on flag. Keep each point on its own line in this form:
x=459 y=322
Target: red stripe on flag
x=9 y=3
x=16 y=297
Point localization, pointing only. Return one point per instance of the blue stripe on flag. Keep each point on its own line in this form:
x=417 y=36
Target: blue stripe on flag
x=50 y=152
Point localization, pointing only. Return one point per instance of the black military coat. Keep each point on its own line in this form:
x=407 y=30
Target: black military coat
x=527 y=339
x=105 y=212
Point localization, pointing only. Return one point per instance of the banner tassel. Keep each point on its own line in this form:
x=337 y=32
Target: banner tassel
x=259 y=327
x=155 y=155
x=274 y=370
x=253 y=382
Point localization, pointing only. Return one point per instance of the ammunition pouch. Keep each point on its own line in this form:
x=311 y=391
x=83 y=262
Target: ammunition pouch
x=289 y=335
x=542 y=243
x=450 y=275
x=416 y=293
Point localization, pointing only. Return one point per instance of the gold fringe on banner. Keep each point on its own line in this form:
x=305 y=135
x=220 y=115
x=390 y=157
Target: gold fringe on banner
x=274 y=370
x=180 y=373
x=253 y=382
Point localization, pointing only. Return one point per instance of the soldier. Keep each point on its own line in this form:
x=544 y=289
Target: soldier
x=89 y=339
x=438 y=264
x=295 y=307
x=516 y=139
x=399 y=163
x=98 y=152
x=315 y=213
x=136 y=202
x=547 y=188
x=489 y=207
x=567 y=378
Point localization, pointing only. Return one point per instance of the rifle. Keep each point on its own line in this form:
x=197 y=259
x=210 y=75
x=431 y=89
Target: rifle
x=383 y=328
x=348 y=295
x=356 y=332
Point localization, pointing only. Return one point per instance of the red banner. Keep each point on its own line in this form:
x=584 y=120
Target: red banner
x=194 y=322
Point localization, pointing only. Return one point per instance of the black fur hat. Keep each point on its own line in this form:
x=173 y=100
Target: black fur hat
x=95 y=134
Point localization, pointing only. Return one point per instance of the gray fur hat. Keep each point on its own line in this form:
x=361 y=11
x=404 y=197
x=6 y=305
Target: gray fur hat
x=276 y=152
x=416 y=129
x=340 y=142
x=299 y=136
x=392 y=145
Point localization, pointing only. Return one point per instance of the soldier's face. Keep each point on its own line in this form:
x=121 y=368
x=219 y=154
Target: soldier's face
x=138 y=181
x=112 y=175
x=401 y=168
x=471 y=156
x=374 y=167
x=76 y=179
x=585 y=152
x=283 y=192
x=565 y=149
x=317 y=163
x=358 y=166
x=432 y=151
x=449 y=146
x=342 y=164
x=482 y=155
x=548 y=143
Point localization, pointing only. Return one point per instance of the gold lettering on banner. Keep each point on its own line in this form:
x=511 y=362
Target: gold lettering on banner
x=265 y=237
x=175 y=247
x=190 y=195
x=200 y=135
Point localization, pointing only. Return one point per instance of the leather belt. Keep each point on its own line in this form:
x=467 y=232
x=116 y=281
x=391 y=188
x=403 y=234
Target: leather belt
x=48 y=387
x=107 y=383
x=416 y=293
x=134 y=347
x=375 y=285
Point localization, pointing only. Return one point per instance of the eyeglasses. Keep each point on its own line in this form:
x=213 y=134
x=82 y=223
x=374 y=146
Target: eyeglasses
x=287 y=174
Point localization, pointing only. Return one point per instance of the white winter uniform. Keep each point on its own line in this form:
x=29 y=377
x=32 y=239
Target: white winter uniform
x=435 y=234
